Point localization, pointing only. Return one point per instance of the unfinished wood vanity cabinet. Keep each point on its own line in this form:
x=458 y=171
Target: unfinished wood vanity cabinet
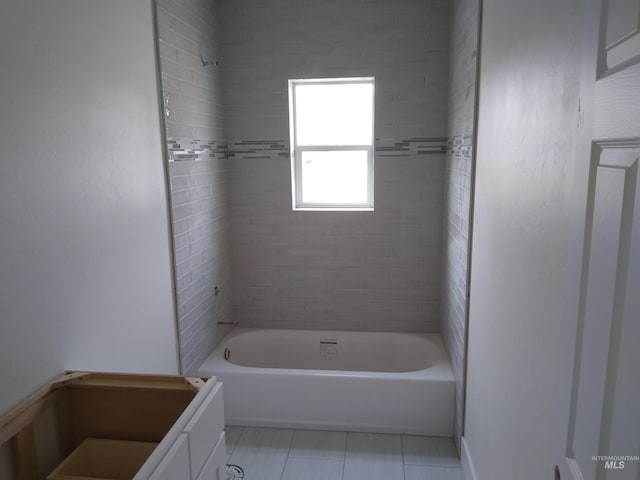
x=99 y=426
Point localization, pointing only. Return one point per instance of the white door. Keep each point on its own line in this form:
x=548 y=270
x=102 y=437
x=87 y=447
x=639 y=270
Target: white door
x=605 y=407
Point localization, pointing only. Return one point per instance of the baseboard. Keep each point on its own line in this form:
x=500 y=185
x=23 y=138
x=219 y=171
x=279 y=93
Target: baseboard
x=467 y=463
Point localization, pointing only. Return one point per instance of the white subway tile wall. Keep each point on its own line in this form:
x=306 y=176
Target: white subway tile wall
x=403 y=44
x=187 y=37
x=201 y=232
x=376 y=270
x=457 y=191
x=338 y=270
x=191 y=80
x=227 y=129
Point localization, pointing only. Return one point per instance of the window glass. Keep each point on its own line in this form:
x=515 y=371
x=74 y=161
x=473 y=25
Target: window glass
x=331 y=126
x=340 y=114
x=334 y=176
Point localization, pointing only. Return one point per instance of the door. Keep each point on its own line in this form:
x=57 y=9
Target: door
x=603 y=434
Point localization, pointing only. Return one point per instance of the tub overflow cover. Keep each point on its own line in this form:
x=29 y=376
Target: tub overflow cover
x=328 y=348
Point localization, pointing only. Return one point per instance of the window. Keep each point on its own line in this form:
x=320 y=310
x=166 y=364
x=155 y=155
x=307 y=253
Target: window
x=331 y=126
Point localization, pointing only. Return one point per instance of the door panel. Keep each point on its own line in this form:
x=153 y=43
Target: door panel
x=605 y=410
x=619 y=42
x=617 y=106
x=604 y=415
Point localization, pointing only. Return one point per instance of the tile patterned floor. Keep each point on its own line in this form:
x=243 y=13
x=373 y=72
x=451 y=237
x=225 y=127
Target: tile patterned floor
x=283 y=454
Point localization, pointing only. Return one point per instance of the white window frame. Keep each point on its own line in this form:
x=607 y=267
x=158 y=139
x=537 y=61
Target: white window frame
x=296 y=150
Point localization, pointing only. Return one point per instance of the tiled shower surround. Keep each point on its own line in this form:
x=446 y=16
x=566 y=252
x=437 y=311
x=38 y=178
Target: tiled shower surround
x=192 y=104
x=457 y=198
x=338 y=270
x=201 y=254
x=225 y=66
x=377 y=270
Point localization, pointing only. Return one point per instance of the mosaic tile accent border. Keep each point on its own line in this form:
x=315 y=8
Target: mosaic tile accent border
x=460 y=145
x=394 y=147
x=181 y=149
x=259 y=149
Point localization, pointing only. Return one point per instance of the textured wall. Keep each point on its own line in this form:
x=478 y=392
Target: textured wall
x=187 y=34
x=457 y=186
x=85 y=271
x=351 y=270
x=527 y=217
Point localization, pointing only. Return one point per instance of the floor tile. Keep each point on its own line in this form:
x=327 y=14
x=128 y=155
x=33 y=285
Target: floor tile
x=262 y=452
x=428 y=472
x=284 y=454
x=373 y=456
x=319 y=444
x=312 y=469
x=232 y=435
x=435 y=451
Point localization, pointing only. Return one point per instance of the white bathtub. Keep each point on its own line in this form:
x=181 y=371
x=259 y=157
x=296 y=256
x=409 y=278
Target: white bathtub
x=332 y=380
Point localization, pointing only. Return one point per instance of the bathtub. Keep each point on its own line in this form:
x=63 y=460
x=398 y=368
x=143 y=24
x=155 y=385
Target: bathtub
x=333 y=380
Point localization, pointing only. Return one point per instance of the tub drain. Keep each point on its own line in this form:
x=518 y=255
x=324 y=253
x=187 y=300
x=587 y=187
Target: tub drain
x=234 y=472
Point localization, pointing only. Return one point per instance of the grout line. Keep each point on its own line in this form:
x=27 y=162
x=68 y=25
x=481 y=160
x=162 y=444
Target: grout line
x=344 y=458
x=229 y=455
x=404 y=474
x=286 y=461
x=197 y=30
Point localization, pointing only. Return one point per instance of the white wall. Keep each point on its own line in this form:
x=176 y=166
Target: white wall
x=522 y=325
x=85 y=278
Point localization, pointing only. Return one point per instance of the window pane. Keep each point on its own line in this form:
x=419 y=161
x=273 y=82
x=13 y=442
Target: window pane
x=338 y=177
x=334 y=114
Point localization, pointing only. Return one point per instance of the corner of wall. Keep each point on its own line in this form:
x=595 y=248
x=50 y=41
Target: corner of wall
x=468 y=469
x=458 y=192
x=196 y=153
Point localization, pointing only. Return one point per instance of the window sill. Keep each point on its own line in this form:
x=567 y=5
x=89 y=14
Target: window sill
x=333 y=209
